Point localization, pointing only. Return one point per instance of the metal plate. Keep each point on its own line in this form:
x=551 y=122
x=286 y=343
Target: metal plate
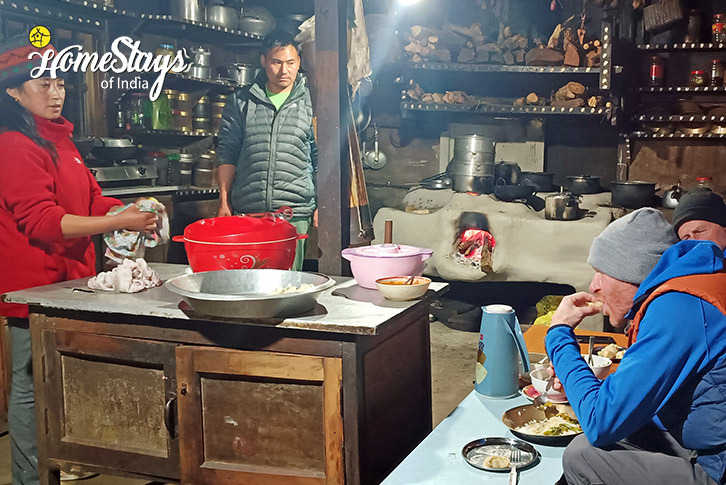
x=476 y=452
x=249 y=293
x=521 y=415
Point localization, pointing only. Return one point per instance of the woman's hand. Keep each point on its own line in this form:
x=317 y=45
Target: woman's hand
x=574 y=308
x=133 y=219
x=556 y=383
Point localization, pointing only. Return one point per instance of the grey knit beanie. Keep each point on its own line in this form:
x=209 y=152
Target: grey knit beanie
x=629 y=248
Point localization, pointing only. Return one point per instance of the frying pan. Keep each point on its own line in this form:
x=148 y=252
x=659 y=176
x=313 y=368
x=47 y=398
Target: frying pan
x=115 y=149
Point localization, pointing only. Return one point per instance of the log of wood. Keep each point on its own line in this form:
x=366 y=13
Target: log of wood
x=519 y=56
x=438 y=98
x=572 y=55
x=532 y=98
x=568 y=103
x=427 y=98
x=466 y=55
x=519 y=102
x=441 y=55
x=508 y=58
x=595 y=101
x=417 y=58
x=555 y=37
x=412 y=48
x=544 y=57
x=496 y=57
x=421 y=32
x=569 y=91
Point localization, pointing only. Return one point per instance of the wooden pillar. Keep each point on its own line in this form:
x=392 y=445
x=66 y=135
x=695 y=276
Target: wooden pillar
x=331 y=79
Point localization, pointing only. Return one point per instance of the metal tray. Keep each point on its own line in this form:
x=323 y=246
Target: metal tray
x=249 y=293
x=476 y=451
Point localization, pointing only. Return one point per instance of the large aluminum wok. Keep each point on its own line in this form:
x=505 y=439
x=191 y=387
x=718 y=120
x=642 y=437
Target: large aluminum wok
x=249 y=293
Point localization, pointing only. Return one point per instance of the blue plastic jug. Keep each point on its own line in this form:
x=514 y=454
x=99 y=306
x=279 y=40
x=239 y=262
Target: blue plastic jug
x=501 y=343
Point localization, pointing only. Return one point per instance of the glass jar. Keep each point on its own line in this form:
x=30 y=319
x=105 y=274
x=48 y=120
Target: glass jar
x=704 y=182
x=161 y=114
x=656 y=76
x=165 y=50
x=135 y=111
x=716 y=78
x=693 y=27
x=718 y=28
x=697 y=79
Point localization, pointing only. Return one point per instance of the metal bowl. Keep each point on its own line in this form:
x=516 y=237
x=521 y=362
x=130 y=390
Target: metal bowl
x=476 y=451
x=521 y=415
x=249 y=293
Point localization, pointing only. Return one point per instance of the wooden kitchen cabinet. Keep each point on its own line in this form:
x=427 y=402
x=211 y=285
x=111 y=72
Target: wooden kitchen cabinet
x=141 y=386
x=247 y=414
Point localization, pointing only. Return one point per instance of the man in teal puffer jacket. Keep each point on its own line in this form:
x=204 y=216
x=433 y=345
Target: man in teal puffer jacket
x=266 y=153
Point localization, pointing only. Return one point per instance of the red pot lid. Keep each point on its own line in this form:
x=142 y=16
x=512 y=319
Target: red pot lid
x=240 y=229
x=387 y=251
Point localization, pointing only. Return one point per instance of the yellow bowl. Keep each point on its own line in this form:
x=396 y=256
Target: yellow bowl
x=394 y=288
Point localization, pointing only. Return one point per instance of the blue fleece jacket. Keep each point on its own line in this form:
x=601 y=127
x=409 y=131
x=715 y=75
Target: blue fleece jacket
x=674 y=374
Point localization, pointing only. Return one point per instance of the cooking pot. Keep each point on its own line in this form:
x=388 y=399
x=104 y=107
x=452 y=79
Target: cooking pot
x=369 y=263
x=511 y=193
x=256 y=20
x=583 y=184
x=474 y=149
x=542 y=181
x=115 y=149
x=291 y=22
x=633 y=194
x=240 y=242
x=436 y=182
x=242 y=74
x=84 y=144
x=187 y=9
x=507 y=171
x=563 y=207
x=222 y=16
x=197 y=56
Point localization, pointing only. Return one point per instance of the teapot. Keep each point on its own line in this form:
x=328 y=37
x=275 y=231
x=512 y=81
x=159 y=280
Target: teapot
x=672 y=196
x=500 y=344
x=563 y=207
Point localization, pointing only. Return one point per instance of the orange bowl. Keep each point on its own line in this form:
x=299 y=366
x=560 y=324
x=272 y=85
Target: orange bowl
x=394 y=288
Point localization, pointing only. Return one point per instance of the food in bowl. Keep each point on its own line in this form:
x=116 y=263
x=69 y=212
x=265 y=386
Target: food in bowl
x=291 y=289
x=612 y=351
x=496 y=461
x=562 y=424
x=539 y=379
x=396 y=288
x=536 y=361
x=600 y=365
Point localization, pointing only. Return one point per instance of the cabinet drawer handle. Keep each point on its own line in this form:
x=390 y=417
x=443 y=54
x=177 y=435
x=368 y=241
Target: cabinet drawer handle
x=169 y=415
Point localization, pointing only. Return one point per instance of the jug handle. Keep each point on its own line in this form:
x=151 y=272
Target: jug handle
x=519 y=341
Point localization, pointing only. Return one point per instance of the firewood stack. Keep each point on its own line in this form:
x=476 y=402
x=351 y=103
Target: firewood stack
x=427 y=44
x=449 y=97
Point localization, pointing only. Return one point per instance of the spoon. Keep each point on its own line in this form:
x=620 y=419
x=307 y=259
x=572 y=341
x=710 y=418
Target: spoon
x=591 y=344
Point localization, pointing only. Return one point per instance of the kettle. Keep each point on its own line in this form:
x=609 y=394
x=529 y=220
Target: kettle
x=500 y=344
x=563 y=207
x=672 y=196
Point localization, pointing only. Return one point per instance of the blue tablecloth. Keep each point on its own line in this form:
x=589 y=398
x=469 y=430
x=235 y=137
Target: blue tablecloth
x=437 y=460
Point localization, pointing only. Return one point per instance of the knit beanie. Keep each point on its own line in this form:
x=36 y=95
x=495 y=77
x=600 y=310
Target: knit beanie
x=700 y=204
x=15 y=66
x=629 y=248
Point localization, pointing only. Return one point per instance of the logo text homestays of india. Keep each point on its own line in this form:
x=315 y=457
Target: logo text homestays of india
x=74 y=58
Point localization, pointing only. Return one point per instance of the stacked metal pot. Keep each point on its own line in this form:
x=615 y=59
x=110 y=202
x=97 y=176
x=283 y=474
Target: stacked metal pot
x=472 y=167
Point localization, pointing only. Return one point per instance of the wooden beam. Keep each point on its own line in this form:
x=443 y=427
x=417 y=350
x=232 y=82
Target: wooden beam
x=331 y=79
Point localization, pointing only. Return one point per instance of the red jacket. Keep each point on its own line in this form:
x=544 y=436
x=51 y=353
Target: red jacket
x=35 y=193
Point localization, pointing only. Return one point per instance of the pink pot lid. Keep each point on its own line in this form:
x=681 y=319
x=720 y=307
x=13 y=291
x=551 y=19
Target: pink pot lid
x=387 y=251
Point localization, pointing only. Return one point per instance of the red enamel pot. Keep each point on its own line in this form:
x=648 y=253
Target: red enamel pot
x=241 y=242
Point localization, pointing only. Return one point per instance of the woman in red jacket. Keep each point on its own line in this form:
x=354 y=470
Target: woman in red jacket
x=50 y=205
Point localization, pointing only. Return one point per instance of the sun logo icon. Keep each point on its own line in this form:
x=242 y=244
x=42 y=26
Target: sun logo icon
x=39 y=36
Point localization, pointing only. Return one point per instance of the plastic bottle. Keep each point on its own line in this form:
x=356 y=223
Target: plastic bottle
x=161 y=113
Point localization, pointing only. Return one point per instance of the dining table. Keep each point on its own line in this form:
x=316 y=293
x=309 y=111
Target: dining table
x=438 y=458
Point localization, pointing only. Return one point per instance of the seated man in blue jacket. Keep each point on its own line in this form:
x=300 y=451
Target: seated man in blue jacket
x=661 y=417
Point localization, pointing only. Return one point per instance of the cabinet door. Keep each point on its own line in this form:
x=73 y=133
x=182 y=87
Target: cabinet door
x=259 y=418
x=109 y=401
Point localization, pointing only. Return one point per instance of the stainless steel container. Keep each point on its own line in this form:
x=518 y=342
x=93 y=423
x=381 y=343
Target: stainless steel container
x=472 y=168
x=203 y=125
x=222 y=16
x=187 y=9
x=242 y=74
x=250 y=293
x=200 y=72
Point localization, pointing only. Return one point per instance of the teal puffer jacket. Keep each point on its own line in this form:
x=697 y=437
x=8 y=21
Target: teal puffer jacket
x=273 y=151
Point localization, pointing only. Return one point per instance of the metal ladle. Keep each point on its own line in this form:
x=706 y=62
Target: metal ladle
x=375 y=158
